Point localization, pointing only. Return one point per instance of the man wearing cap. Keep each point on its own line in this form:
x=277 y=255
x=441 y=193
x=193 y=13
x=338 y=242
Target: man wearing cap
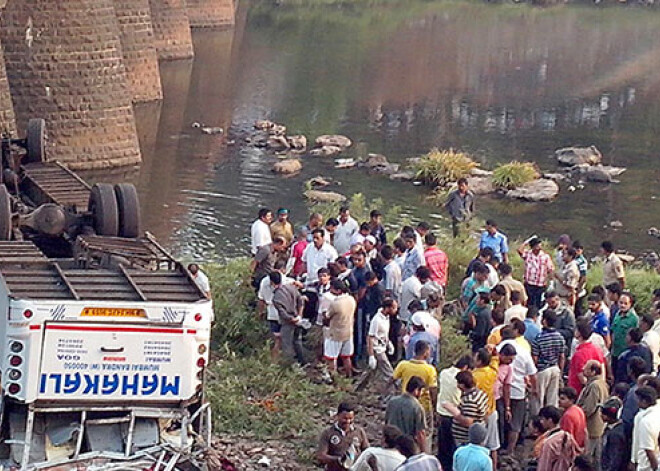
x=474 y=456
x=282 y=227
x=616 y=447
x=497 y=241
x=538 y=268
x=420 y=334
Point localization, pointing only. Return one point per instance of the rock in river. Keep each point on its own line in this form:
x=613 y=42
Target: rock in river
x=297 y=142
x=324 y=196
x=579 y=155
x=333 y=140
x=542 y=189
x=277 y=143
x=287 y=166
x=600 y=173
x=481 y=185
x=325 y=151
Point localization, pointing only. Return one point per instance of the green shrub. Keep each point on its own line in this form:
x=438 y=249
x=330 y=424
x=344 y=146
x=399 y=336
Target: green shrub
x=453 y=344
x=514 y=174
x=639 y=281
x=237 y=327
x=442 y=167
x=393 y=218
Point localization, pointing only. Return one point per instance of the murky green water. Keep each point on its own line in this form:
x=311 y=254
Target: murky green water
x=502 y=82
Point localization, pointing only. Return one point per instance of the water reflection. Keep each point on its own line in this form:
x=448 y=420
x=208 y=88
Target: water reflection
x=503 y=82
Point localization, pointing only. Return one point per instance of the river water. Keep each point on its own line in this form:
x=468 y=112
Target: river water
x=502 y=82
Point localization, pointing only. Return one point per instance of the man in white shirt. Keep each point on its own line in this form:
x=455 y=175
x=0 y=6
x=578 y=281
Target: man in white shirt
x=385 y=457
x=317 y=255
x=420 y=231
x=379 y=345
x=392 y=280
x=265 y=296
x=651 y=338
x=201 y=280
x=645 y=452
x=524 y=370
x=345 y=230
x=411 y=290
x=260 y=232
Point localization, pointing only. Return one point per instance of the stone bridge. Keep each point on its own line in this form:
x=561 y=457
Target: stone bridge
x=81 y=64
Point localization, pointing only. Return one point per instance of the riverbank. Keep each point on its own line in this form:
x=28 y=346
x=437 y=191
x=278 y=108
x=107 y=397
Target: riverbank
x=265 y=413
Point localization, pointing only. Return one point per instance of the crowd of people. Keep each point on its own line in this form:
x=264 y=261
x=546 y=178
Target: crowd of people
x=557 y=377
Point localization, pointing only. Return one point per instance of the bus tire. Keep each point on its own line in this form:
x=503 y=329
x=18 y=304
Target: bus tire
x=128 y=205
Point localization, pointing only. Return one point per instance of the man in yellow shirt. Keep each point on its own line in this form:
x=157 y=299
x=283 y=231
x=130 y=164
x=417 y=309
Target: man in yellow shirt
x=485 y=377
x=420 y=367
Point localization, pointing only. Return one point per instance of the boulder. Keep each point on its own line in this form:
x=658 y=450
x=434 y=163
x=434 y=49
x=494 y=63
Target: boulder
x=481 y=185
x=542 y=189
x=579 y=155
x=336 y=140
x=558 y=177
x=277 y=143
x=287 y=166
x=277 y=130
x=375 y=160
x=263 y=124
x=480 y=172
x=388 y=169
x=324 y=196
x=345 y=163
x=600 y=173
x=212 y=130
x=406 y=176
x=319 y=181
x=297 y=142
x=325 y=151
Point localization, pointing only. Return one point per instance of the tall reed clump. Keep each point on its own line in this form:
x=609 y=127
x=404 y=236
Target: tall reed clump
x=443 y=167
x=514 y=174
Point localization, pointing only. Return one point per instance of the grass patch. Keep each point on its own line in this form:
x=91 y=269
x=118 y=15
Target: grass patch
x=237 y=329
x=252 y=397
x=442 y=167
x=514 y=174
x=453 y=344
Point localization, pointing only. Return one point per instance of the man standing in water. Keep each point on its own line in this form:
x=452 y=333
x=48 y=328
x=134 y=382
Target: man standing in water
x=460 y=205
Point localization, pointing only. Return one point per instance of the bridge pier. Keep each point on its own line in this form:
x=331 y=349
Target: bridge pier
x=211 y=13
x=64 y=63
x=139 y=51
x=7 y=119
x=171 y=29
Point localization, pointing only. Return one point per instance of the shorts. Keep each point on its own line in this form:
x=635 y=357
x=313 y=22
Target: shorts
x=333 y=349
x=275 y=328
x=517 y=415
x=492 y=432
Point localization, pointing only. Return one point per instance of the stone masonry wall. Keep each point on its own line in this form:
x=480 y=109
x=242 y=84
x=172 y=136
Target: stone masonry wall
x=7 y=121
x=171 y=29
x=64 y=63
x=210 y=13
x=138 y=47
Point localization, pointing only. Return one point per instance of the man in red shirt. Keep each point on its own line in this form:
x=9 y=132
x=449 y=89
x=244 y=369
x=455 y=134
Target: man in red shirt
x=584 y=352
x=436 y=260
x=573 y=420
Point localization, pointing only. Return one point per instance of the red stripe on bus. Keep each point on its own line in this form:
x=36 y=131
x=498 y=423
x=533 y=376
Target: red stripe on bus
x=35 y=327
x=114 y=329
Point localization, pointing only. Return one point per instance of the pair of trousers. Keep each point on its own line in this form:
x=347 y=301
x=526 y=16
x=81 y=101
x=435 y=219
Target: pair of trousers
x=360 y=332
x=534 y=295
x=446 y=444
x=548 y=382
x=383 y=372
x=292 y=349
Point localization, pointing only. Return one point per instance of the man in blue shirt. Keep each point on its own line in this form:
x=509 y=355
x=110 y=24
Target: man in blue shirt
x=474 y=456
x=600 y=324
x=497 y=241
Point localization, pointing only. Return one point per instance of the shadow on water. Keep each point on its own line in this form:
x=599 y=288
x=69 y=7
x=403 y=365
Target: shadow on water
x=503 y=82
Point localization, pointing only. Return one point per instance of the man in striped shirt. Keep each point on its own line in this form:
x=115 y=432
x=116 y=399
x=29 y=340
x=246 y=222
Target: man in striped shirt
x=538 y=267
x=472 y=409
x=548 y=352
